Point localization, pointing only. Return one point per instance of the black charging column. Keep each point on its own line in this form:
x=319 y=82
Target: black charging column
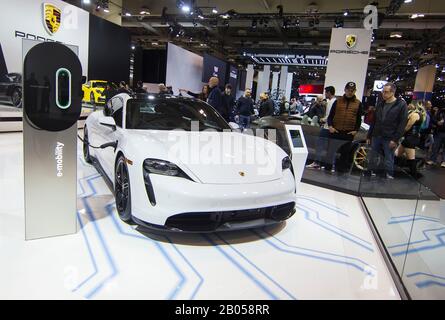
x=52 y=94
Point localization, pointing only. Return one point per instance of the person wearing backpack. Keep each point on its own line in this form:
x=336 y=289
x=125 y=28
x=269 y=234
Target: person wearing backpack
x=411 y=138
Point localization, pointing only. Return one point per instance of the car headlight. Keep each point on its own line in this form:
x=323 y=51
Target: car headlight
x=286 y=163
x=165 y=168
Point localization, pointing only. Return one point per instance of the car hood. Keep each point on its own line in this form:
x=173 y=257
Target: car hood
x=214 y=157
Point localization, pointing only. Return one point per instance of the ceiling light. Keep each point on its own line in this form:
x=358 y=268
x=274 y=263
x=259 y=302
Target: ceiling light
x=133 y=47
x=408 y=1
x=185 y=8
x=214 y=11
x=201 y=17
x=128 y=14
x=381 y=49
x=86 y=1
x=106 y=10
x=396 y=34
x=417 y=15
x=346 y=13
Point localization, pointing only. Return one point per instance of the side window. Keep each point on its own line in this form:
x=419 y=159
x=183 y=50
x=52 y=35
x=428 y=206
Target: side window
x=118 y=105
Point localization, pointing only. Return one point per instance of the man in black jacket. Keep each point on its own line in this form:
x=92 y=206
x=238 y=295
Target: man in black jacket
x=391 y=116
x=228 y=102
x=266 y=106
x=215 y=98
x=244 y=108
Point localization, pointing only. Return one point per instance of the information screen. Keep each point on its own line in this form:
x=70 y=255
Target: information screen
x=297 y=141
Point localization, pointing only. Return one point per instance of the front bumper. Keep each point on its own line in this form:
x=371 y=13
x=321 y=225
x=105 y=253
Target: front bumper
x=182 y=204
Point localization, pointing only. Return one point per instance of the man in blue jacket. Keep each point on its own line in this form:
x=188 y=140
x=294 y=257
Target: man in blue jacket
x=388 y=127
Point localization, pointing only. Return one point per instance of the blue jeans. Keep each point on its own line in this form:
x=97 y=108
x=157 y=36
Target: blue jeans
x=439 y=141
x=376 y=146
x=244 y=121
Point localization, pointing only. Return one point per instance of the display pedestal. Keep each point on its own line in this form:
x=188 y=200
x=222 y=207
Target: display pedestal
x=298 y=149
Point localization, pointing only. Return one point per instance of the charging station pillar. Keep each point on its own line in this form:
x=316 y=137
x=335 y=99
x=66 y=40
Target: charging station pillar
x=52 y=94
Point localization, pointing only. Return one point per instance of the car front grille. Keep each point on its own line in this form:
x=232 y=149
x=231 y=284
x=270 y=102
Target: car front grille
x=214 y=221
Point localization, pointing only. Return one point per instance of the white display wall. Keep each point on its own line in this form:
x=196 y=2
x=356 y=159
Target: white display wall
x=184 y=69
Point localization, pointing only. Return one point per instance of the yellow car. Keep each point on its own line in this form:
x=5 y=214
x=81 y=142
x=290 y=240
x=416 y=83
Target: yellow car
x=93 y=90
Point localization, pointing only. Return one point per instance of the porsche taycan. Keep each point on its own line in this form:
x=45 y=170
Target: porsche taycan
x=175 y=164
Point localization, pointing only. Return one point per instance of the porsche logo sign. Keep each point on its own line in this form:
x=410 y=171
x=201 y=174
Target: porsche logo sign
x=52 y=17
x=351 y=41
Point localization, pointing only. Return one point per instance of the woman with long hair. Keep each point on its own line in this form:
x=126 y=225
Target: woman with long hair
x=411 y=138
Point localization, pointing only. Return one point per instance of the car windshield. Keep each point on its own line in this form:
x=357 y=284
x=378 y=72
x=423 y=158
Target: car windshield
x=170 y=114
x=99 y=84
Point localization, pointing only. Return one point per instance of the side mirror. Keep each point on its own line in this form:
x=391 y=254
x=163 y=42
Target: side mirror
x=84 y=79
x=108 y=122
x=234 y=125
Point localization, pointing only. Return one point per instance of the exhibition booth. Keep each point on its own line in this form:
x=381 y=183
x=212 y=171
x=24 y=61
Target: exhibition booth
x=122 y=197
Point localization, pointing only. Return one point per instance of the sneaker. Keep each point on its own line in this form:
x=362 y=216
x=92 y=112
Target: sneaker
x=313 y=165
x=442 y=164
x=429 y=162
x=389 y=177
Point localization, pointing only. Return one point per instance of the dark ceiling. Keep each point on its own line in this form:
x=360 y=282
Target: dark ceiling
x=288 y=27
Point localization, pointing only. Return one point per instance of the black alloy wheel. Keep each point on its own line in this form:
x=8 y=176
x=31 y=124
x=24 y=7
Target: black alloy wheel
x=16 y=97
x=122 y=192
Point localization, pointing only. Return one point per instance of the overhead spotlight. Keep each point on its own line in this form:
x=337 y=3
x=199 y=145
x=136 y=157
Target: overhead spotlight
x=106 y=10
x=346 y=13
x=185 y=8
x=214 y=11
x=201 y=17
x=408 y=1
x=417 y=15
x=133 y=47
x=86 y=1
x=396 y=34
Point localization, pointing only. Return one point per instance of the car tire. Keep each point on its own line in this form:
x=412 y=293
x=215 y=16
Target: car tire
x=86 y=147
x=360 y=158
x=122 y=192
x=16 y=97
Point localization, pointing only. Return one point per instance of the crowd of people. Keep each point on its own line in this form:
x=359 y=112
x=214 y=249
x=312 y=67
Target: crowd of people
x=396 y=130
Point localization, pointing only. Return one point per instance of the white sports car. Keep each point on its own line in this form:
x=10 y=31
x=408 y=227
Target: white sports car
x=175 y=165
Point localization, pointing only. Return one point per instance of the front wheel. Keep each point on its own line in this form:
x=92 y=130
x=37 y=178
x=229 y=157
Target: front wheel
x=122 y=192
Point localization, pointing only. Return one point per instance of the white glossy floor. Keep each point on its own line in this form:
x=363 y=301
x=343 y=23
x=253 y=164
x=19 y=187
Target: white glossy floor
x=325 y=251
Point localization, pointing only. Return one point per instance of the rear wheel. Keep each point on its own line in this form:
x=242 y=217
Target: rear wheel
x=16 y=97
x=122 y=190
x=86 y=147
